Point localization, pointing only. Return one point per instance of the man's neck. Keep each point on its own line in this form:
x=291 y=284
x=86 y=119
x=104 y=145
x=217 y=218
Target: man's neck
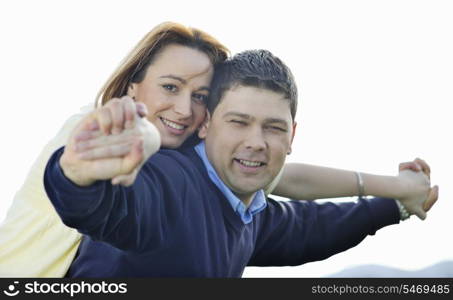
x=246 y=198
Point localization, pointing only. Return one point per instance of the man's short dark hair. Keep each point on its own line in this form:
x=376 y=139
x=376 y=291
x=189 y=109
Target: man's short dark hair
x=256 y=68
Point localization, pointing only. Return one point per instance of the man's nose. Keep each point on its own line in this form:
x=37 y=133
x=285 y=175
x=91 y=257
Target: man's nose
x=255 y=139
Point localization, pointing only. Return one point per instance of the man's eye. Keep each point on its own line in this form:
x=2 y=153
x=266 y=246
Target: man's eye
x=276 y=128
x=170 y=87
x=200 y=98
x=239 y=122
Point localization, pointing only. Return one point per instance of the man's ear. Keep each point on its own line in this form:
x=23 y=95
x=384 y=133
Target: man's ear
x=203 y=129
x=292 y=137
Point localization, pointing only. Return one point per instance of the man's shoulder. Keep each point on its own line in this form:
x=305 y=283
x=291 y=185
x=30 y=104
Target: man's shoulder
x=180 y=170
x=176 y=162
x=177 y=157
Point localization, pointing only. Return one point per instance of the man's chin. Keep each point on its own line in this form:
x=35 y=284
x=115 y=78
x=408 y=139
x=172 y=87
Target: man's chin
x=245 y=189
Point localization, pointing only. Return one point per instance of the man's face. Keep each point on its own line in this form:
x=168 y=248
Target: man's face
x=248 y=137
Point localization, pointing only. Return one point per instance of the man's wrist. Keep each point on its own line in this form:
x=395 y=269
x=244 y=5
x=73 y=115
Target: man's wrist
x=72 y=176
x=404 y=214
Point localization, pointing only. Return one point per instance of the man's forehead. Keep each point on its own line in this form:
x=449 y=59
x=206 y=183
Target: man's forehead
x=254 y=102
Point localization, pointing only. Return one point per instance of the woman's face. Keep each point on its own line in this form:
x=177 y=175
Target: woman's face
x=175 y=90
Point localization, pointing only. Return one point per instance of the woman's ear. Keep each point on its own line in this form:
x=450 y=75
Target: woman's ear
x=131 y=90
x=203 y=129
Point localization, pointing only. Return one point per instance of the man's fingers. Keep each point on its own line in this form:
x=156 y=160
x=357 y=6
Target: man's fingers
x=84 y=143
x=432 y=198
x=134 y=157
x=110 y=151
x=421 y=214
x=125 y=180
x=85 y=135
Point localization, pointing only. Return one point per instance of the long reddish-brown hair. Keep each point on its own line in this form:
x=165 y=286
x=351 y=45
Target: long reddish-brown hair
x=133 y=67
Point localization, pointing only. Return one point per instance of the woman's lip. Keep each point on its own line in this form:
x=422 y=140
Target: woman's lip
x=174 y=122
x=173 y=127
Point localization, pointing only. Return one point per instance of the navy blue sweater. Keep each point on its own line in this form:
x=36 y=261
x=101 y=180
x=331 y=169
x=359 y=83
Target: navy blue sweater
x=174 y=222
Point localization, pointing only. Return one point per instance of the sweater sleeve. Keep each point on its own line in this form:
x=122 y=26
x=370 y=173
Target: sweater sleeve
x=134 y=218
x=295 y=232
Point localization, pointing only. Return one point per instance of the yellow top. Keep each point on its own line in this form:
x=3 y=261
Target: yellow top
x=33 y=240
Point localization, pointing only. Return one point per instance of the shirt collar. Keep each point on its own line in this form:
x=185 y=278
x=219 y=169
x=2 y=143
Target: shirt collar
x=259 y=199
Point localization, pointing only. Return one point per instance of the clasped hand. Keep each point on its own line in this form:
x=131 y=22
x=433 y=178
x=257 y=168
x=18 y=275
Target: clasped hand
x=417 y=194
x=113 y=142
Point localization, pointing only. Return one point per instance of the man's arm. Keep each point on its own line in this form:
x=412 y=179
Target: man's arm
x=296 y=232
x=133 y=218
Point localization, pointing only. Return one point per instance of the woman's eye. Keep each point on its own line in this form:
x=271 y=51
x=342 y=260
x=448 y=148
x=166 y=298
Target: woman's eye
x=170 y=87
x=200 y=98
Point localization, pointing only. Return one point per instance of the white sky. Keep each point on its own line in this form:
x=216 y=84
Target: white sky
x=375 y=81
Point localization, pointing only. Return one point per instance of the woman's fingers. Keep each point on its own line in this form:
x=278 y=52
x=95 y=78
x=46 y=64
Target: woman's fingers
x=416 y=165
x=142 y=110
x=424 y=165
x=409 y=166
x=130 y=112
x=116 y=116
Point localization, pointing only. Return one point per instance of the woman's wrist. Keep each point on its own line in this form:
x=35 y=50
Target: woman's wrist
x=383 y=186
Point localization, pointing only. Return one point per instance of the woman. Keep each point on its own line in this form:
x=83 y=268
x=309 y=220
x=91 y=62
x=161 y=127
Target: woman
x=33 y=241
x=169 y=71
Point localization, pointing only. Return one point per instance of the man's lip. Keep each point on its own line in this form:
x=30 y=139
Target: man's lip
x=251 y=163
x=248 y=169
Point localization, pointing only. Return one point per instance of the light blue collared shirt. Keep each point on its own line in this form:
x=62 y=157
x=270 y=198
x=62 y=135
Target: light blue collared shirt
x=259 y=200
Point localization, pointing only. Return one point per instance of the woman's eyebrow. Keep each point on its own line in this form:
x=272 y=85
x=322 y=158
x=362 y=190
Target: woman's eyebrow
x=183 y=81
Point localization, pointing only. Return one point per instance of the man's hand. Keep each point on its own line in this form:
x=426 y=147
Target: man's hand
x=110 y=144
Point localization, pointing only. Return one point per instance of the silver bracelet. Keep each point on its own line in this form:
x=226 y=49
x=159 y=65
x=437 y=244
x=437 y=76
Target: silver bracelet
x=404 y=214
x=360 y=186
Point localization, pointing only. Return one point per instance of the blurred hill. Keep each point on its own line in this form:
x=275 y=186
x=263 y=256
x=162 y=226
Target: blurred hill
x=441 y=269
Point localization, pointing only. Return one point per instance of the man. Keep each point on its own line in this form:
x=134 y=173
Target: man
x=202 y=211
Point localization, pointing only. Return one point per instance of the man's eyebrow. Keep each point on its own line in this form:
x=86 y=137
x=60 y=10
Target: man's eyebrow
x=204 y=88
x=276 y=120
x=183 y=81
x=249 y=117
x=237 y=114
